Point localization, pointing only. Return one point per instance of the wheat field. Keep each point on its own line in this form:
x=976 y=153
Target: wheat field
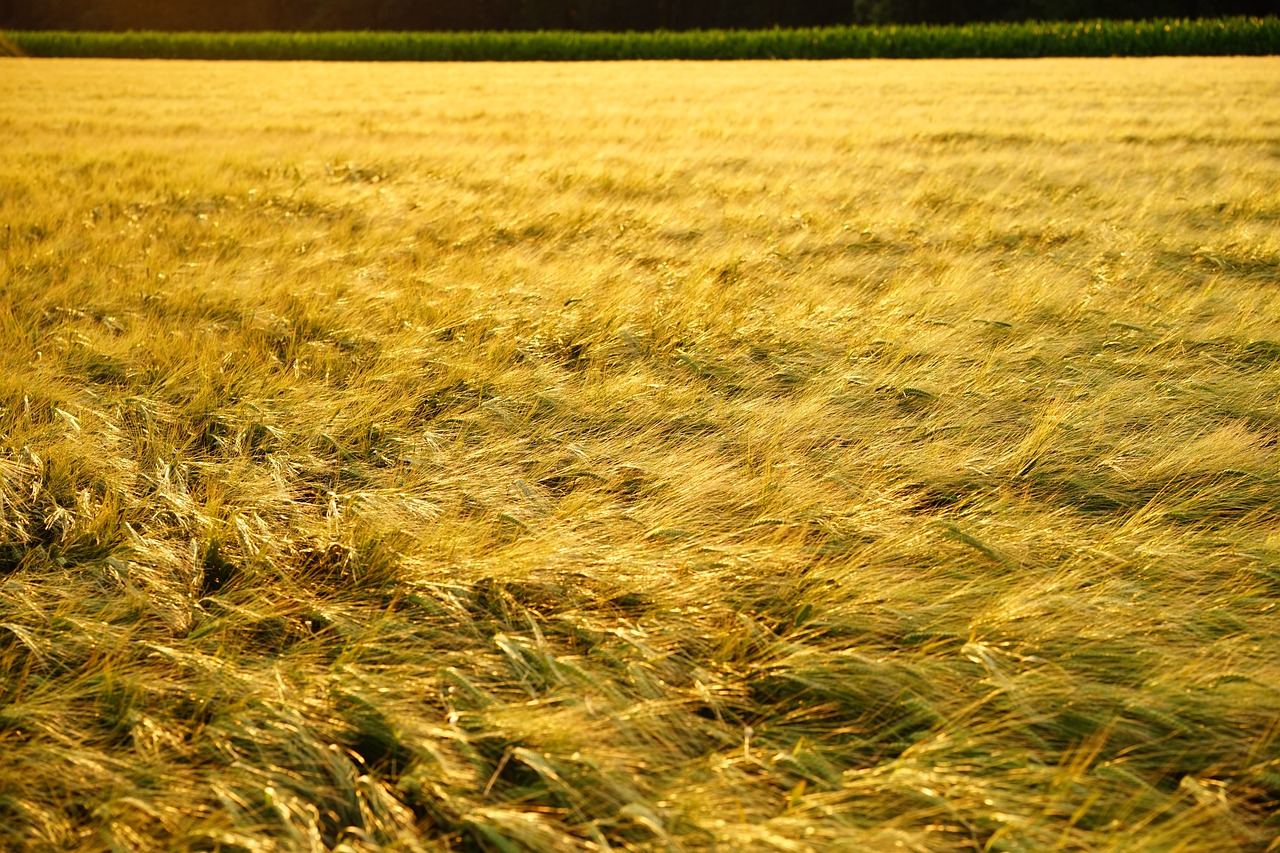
x=866 y=456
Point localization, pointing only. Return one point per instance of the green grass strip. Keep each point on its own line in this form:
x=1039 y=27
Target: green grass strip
x=1172 y=37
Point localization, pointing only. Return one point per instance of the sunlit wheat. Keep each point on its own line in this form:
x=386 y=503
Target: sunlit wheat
x=793 y=456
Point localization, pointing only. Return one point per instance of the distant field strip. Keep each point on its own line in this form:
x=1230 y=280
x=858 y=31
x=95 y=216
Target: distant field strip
x=806 y=457
x=1174 y=37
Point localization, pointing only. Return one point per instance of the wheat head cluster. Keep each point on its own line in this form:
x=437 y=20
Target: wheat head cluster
x=674 y=456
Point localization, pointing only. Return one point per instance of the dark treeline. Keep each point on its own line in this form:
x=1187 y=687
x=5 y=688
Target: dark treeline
x=617 y=15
